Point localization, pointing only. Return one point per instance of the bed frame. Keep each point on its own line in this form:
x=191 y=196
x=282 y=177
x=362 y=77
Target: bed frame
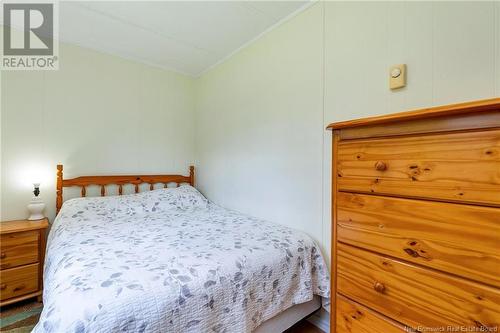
x=102 y=181
x=279 y=323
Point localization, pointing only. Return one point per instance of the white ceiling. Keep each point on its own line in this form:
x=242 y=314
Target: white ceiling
x=184 y=36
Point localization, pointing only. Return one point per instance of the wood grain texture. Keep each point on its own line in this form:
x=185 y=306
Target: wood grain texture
x=353 y=317
x=23 y=247
x=333 y=268
x=413 y=295
x=119 y=180
x=468 y=121
x=123 y=180
x=13 y=300
x=59 y=188
x=477 y=107
x=417 y=194
x=41 y=255
x=7 y=227
x=191 y=176
x=18 y=281
x=461 y=167
x=18 y=249
x=461 y=239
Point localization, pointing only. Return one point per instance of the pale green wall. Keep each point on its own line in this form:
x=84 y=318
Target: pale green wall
x=98 y=114
x=259 y=127
x=261 y=143
x=257 y=133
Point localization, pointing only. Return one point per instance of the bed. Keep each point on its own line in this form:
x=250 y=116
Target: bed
x=168 y=260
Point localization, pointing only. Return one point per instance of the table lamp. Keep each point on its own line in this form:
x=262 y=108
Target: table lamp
x=36 y=205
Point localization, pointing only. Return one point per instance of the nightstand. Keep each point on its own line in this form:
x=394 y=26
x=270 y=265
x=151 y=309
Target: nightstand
x=22 y=247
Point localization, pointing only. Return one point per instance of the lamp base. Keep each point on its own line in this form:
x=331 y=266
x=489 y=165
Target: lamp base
x=36 y=208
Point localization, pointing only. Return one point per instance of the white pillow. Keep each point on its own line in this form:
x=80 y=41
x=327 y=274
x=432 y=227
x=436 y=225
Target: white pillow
x=183 y=197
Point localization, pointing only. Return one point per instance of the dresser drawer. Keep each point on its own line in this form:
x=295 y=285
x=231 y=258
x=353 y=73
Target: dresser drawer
x=413 y=295
x=461 y=239
x=456 y=166
x=18 y=281
x=18 y=249
x=353 y=317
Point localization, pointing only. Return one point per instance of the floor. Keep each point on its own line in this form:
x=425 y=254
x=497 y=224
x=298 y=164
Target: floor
x=304 y=327
x=21 y=317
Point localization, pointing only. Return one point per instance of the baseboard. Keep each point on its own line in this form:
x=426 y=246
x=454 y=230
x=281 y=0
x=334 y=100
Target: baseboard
x=321 y=319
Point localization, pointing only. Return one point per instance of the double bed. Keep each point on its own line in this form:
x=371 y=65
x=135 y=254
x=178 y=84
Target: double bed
x=168 y=260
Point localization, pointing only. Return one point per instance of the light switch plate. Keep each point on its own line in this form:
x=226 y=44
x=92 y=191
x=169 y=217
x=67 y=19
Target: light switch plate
x=397 y=76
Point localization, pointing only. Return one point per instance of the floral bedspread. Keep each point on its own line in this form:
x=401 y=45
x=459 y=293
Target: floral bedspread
x=169 y=261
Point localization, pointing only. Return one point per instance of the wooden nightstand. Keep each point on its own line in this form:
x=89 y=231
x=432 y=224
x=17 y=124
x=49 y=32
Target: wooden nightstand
x=22 y=254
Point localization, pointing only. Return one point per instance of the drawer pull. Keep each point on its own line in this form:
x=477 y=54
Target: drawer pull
x=3 y=286
x=379 y=287
x=21 y=287
x=380 y=166
x=2 y=255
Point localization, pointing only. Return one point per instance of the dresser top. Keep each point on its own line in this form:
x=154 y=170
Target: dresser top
x=8 y=227
x=486 y=105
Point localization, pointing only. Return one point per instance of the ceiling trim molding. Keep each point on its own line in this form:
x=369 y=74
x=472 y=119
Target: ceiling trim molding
x=253 y=40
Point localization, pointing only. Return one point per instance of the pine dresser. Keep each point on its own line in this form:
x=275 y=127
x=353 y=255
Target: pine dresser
x=416 y=221
x=22 y=247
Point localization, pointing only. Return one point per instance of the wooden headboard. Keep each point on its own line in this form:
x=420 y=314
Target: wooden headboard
x=102 y=181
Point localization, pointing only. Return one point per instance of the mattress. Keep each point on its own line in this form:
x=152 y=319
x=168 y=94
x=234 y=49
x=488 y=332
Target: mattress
x=170 y=261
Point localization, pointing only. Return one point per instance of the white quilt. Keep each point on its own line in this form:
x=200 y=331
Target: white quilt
x=169 y=261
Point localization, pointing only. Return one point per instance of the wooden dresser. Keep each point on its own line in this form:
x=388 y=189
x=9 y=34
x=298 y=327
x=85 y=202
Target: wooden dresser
x=21 y=260
x=416 y=221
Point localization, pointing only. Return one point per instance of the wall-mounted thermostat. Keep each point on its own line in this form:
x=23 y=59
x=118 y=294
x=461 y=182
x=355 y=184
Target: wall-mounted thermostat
x=397 y=76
